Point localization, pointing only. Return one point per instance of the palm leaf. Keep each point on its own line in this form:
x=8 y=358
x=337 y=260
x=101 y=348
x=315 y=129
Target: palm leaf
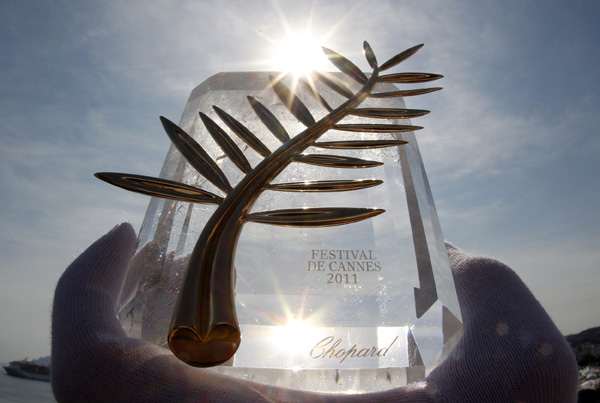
x=400 y=57
x=292 y=102
x=370 y=55
x=404 y=93
x=334 y=84
x=325 y=186
x=409 y=78
x=269 y=120
x=313 y=217
x=359 y=144
x=242 y=131
x=313 y=91
x=376 y=128
x=335 y=161
x=226 y=143
x=388 y=113
x=345 y=66
x=158 y=187
x=195 y=155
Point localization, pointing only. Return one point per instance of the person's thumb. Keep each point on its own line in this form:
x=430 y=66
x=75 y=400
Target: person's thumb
x=85 y=296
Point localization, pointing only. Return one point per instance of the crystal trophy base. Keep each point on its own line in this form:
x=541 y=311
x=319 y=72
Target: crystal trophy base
x=353 y=308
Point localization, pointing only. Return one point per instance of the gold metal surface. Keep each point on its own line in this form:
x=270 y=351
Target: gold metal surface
x=335 y=161
x=204 y=330
x=404 y=93
x=357 y=144
x=377 y=128
x=388 y=113
x=325 y=186
x=313 y=217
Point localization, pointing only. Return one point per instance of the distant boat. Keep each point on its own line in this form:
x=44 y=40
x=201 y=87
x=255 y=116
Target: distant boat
x=29 y=370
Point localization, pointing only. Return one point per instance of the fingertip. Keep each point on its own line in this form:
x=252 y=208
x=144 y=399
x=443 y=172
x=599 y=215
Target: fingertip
x=452 y=249
x=450 y=245
x=106 y=257
x=459 y=259
x=119 y=243
x=124 y=231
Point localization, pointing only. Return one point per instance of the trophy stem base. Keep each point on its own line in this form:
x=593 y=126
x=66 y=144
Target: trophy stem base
x=365 y=380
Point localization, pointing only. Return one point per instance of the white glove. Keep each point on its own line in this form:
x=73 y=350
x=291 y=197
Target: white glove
x=510 y=352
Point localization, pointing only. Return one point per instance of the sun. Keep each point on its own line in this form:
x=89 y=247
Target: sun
x=299 y=54
x=295 y=336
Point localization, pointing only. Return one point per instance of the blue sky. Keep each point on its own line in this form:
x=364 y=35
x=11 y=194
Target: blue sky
x=511 y=146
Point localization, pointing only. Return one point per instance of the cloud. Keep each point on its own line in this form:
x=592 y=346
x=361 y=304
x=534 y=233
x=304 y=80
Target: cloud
x=84 y=85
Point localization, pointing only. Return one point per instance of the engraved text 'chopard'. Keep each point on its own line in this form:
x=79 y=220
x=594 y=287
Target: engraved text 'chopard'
x=328 y=348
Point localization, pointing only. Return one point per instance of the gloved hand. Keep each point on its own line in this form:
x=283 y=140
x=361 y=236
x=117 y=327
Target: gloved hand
x=510 y=352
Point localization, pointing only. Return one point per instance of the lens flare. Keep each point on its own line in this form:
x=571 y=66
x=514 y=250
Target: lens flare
x=300 y=54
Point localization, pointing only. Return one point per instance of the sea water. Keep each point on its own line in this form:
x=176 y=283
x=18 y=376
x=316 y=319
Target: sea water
x=13 y=389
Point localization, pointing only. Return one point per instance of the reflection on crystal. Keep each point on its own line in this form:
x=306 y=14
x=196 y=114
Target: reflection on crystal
x=360 y=307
